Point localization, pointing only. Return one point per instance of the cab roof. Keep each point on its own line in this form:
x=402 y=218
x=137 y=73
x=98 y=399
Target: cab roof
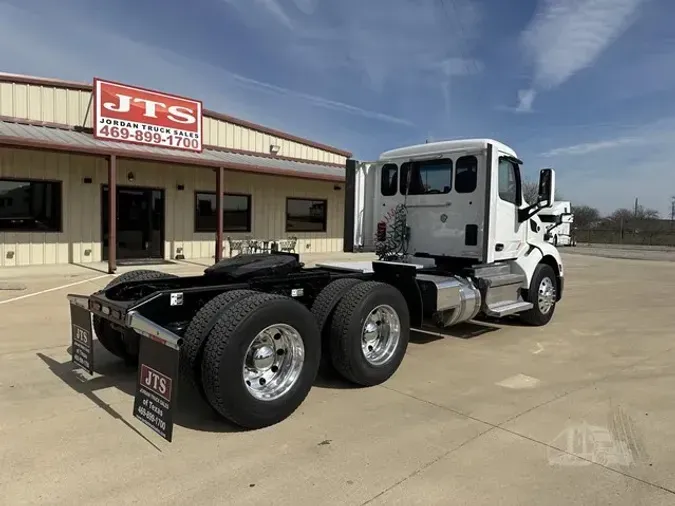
x=441 y=147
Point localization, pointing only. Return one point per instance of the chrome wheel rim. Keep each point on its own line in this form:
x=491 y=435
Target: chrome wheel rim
x=273 y=362
x=380 y=335
x=546 y=295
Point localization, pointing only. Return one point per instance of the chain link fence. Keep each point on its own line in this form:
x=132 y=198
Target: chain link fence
x=625 y=235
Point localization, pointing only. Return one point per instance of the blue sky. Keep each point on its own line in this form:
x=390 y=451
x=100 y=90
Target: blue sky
x=585 y=86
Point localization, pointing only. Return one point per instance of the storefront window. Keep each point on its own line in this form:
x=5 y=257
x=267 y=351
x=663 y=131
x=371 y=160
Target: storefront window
x=236 y=212
x=305 y=215
x=30 y=206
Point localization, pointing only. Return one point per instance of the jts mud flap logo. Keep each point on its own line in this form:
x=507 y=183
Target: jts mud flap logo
x=156 y=382
x=81 y=335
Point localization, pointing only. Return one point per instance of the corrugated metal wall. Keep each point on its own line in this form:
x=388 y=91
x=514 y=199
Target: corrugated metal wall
x=80 y=241
x=72 y=107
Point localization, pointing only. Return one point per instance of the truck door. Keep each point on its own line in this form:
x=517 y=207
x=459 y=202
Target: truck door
x=376 y=195
x=509 y=234
x=363 y=186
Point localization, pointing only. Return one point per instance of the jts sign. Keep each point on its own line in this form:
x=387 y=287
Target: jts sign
x=128 y=114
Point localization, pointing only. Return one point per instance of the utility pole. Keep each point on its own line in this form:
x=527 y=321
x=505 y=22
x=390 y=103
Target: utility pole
x=672 y=210
x=636 y=208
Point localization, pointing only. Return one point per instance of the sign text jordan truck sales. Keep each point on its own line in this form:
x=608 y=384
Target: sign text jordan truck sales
x=129 y=114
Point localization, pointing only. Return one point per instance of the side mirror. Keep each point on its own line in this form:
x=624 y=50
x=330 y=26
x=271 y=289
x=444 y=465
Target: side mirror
x=546 y=187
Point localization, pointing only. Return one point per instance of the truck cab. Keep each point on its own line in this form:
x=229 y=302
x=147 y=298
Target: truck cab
x=455 y=205
x=462 y=199
x=557 y=222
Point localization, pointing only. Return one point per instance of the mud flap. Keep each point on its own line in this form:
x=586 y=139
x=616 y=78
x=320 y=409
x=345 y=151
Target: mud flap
x=82 y=340
x=157 y=386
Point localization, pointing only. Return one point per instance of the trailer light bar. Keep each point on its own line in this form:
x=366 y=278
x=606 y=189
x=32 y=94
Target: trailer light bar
x=150 y=329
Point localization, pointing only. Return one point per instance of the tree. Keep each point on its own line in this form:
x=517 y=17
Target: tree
x=647 y=214
x=639 y=214
x=585 y=216
x=531 y=192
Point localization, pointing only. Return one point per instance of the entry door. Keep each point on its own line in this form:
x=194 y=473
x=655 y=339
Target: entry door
x=140 y=223
x=509 y=233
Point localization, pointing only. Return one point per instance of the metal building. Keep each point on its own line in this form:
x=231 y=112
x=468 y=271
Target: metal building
x=56 y=172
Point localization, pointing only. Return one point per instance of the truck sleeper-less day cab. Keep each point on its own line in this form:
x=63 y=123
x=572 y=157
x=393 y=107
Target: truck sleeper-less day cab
x=557 y=221
x=454 y=237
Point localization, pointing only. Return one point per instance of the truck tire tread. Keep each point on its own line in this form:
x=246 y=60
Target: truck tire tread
x=323 y=309
x=534 y=316
x=349 y=364
x=198 y=330
x=227 y=342
x=111 y=339
x=139 y=275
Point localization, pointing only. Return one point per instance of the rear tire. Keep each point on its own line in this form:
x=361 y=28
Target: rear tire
x=323 y=309
x=124 y=345
x=369 y=333
x=198 y=330
x=260 y=360
x=542 y=293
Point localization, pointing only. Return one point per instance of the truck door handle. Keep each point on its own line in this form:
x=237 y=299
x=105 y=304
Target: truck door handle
x=499 y=247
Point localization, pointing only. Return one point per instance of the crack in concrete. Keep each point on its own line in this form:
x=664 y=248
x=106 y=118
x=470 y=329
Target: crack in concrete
x=428 y=464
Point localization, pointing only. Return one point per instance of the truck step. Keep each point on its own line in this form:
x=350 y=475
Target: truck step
x=504 y=280
x=508 y=308
x=496 y=269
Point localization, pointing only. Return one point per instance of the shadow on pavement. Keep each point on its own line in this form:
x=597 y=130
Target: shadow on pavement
x=466 y=330
x=92 y=268
x=192 y=411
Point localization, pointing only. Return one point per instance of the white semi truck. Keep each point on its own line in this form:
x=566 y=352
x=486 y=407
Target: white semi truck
x=558 y=223
x=454 y=238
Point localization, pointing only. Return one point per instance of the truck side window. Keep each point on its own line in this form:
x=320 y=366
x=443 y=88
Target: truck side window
x=389 y=179
x=466 y=174
x=508 y=181
x=427 y=177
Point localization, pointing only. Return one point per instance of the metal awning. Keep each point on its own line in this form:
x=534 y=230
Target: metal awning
x=60 y=139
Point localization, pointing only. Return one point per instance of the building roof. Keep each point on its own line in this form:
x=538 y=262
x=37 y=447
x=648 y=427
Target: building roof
x=440 y=147
x=58 y=83
x=17 y=133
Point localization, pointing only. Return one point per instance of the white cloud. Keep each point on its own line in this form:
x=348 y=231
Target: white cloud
x=567 y=36
x=277 y=11
x=305 y=6
x=590 y=147
x=383 y=41
x=452 y=67
x=41 y=48
x=525 y=100
x=611 y=172
x=316 y=100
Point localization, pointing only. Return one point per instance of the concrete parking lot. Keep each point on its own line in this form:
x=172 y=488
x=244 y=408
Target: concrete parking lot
x=578 y=412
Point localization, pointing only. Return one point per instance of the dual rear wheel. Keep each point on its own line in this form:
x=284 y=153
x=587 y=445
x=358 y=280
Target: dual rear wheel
x=256 y=356
x=367 y=333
